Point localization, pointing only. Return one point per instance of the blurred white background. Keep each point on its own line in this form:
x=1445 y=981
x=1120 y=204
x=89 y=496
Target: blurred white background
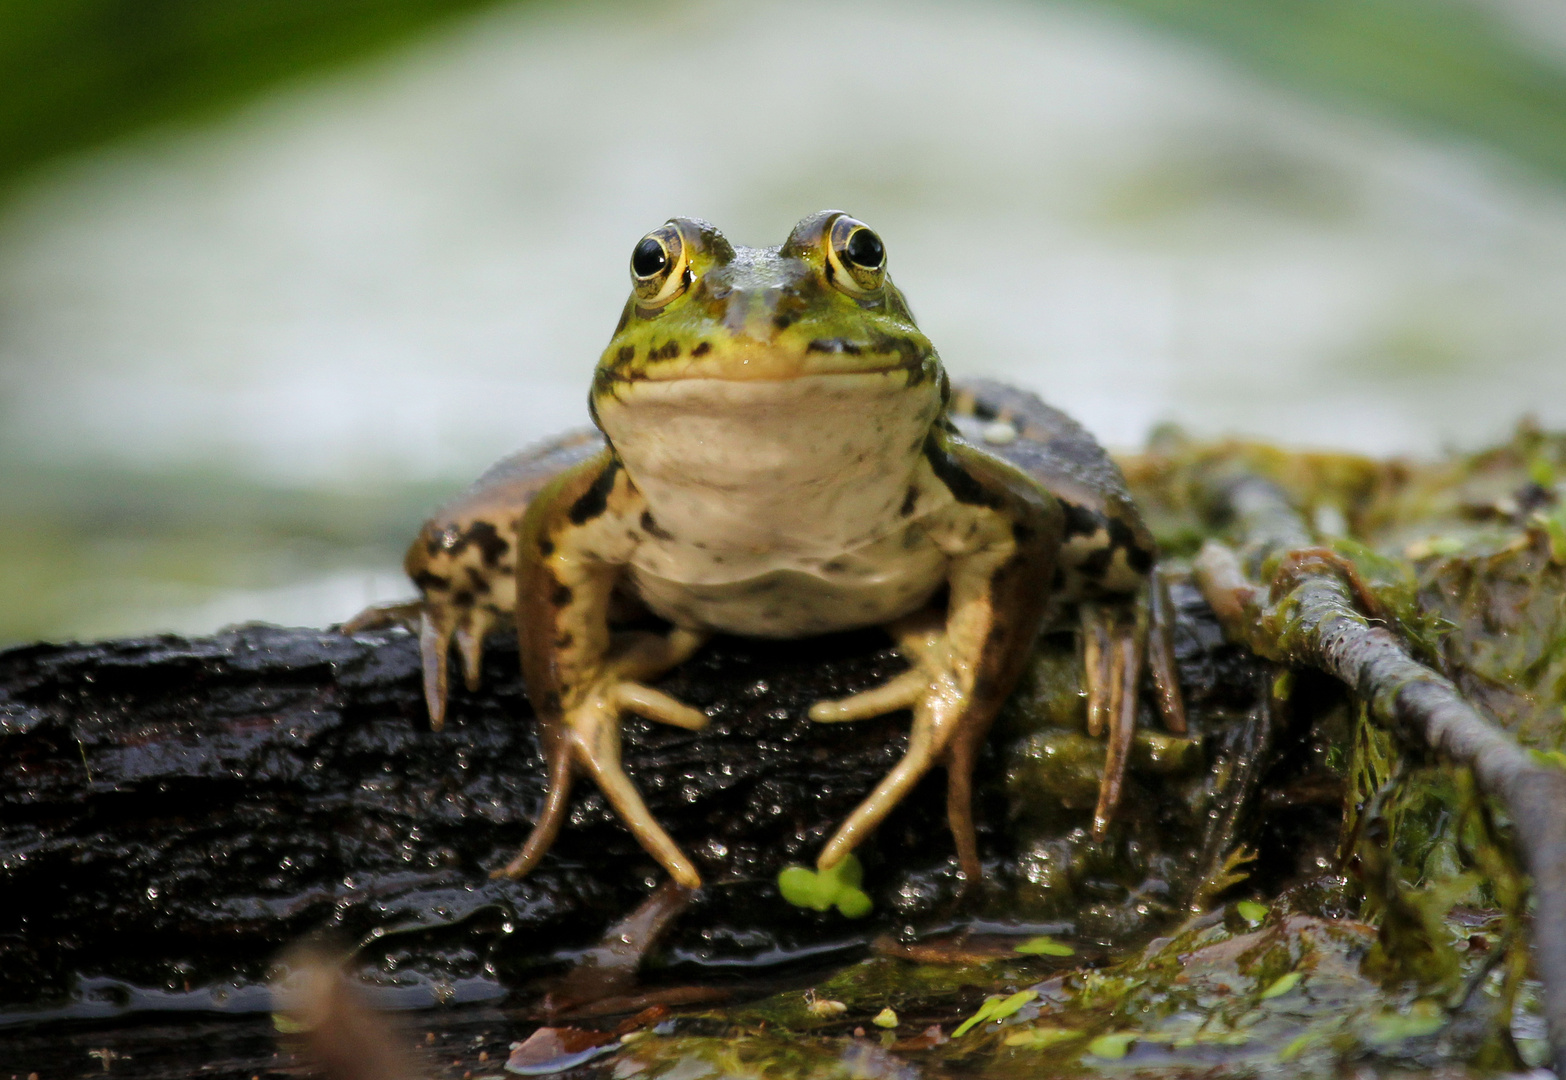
x=396 y=273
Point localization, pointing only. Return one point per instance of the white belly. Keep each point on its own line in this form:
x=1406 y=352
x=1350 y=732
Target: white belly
x=876 y=584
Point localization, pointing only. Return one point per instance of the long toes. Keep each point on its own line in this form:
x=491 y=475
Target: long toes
x=656 y=705
x=627 y=802
x=380 y=616
x=902 y=692
x=550 y=817
x=1126 y=677
x=470 y=644
x=1096 y=662
x=1161 y=657
x=435 y=630
x=870 y=813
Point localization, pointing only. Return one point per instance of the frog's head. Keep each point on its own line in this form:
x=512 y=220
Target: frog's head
x=821 y=304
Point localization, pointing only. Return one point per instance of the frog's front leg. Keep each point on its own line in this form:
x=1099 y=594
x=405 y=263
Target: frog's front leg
x=581 y=679
x=1001 y=536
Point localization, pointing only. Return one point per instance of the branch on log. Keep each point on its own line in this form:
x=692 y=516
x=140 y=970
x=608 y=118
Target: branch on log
x=1310 y=614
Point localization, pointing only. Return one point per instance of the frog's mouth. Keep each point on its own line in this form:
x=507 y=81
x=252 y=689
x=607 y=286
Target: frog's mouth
x=744 y=360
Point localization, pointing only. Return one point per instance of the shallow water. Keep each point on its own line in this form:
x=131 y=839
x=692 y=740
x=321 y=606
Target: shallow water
x=383 y=279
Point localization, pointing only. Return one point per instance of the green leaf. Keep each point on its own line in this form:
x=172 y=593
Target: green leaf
x=1113 y=1046
x=1296 y=1047
x=1282 y=985
x=1040 y=1037
x=819 y=890
x=287 y=1025
x=1044 y=945
x=1251 y=911
x=979 y=1017
x=1549 y=757
x=854 y=904
x=1422 y=1018
x=886 y=1018
x=995 y=1007
x=803 y=887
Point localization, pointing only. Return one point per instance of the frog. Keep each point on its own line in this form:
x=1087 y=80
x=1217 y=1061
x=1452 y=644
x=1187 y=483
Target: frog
x=778 y=452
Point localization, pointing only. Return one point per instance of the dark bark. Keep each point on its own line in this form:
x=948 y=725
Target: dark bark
x=173 y=812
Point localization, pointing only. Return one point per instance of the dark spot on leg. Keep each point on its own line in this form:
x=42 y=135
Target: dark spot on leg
x=1021 y=532
x=478 y=581
x=652 y=528
x=427 y=581
x=596 y=497
x=1080 y=521
x=1096 y=563
x=462 y=598
x=490 y=543
x=910 y=501
x=561 y=596
x=964 y=488
x=546 y=547
x=564 y=641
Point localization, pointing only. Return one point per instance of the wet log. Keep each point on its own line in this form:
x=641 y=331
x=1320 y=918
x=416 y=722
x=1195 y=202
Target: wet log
x=173 y=812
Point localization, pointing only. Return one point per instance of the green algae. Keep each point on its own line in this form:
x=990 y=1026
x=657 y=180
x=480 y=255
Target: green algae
x=1200 y=943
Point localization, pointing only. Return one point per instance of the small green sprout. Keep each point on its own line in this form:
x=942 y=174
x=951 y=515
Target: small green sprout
x=1040 y=1037
x=995 y=1007
x=886 y=1018
x=1251 y=911
x=1282 y=985
x=1044 y=945
x=1113 y=1046
x=1296 y=1047
x=820 y=890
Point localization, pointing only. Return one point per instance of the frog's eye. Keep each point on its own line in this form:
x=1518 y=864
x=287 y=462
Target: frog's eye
x=660 y=267
x=856 y=257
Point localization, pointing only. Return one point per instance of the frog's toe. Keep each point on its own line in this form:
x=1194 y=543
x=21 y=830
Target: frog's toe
x=1126 y=636
x=405 y=613
x=627 y=802
x=901 y=692
x=435 y=630
x=1161 y=655
x=557 y=801
x=656 y=705
x=471 y=631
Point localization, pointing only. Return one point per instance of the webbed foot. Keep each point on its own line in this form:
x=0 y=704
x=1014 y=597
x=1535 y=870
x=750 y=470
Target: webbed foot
x=587 y=737
x=945 y=731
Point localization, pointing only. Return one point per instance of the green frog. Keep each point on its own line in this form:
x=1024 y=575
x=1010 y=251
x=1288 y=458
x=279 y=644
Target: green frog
x=778 y=453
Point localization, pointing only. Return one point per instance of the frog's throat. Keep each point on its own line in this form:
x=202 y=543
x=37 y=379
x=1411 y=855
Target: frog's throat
x=815 y=465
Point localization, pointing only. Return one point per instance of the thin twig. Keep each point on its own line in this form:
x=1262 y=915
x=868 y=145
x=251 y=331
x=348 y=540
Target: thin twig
x=1307 y=615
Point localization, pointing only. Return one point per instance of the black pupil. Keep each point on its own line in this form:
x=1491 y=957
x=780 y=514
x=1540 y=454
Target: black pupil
x=864 y=249
x=648 y=258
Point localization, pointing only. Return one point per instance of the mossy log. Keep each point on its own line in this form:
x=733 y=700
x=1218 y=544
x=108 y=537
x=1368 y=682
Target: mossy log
x=1314 y=610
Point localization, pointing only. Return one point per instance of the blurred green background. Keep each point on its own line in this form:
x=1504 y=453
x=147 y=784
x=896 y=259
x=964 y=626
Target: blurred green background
x=276 y=276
